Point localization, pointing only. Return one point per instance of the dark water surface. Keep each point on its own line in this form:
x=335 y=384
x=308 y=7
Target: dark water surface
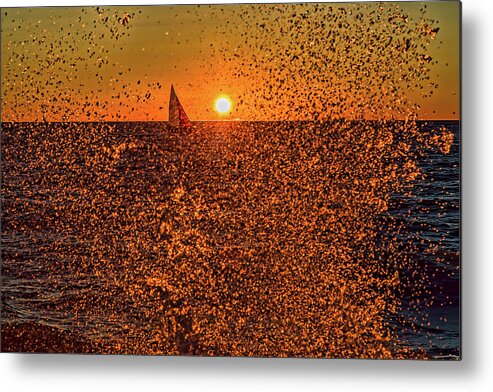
x=433 y=214
x=233 y=238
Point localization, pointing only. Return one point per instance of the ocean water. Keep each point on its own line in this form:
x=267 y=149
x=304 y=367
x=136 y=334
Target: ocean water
x=432 y=213
x=304 y=239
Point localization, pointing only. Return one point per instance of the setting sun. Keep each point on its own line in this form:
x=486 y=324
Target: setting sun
x=223 y=105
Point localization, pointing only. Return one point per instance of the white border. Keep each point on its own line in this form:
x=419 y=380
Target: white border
x=89 y=373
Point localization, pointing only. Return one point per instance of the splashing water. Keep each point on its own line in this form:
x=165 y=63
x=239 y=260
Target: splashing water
x=297 y=236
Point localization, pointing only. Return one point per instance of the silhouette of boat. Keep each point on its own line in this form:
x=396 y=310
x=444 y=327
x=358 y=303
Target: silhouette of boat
x=177 y=115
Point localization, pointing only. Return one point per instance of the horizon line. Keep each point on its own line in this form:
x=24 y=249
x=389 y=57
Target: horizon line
x=233 y=120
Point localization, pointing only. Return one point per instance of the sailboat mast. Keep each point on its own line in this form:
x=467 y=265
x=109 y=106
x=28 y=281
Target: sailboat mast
x=177 y=116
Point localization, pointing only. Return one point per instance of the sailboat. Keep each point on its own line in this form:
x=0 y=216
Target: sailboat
x=177 y=116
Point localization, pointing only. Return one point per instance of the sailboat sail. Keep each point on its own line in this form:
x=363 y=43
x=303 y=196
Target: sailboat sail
x=177 y=115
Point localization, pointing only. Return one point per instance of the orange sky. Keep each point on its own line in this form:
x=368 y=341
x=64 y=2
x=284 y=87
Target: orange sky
x=274 y=61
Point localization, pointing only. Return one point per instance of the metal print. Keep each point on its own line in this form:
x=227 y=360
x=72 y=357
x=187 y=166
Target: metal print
x=266 y=180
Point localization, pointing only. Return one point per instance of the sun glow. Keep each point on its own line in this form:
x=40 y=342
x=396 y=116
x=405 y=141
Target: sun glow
x=223 y=105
